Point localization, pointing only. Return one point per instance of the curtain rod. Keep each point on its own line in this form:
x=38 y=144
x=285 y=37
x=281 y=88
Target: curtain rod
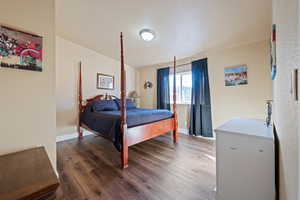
x=184 y=64
x=187 y=63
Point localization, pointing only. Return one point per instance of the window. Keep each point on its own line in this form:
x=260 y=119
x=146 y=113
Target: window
x=183 y=87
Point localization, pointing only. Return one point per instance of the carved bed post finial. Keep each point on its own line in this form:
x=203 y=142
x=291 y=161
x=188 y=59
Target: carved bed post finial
x=175 y=135
x=124 y=153
x=80 y=106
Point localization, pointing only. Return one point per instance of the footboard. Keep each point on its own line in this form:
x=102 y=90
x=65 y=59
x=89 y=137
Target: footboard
x=145 y=132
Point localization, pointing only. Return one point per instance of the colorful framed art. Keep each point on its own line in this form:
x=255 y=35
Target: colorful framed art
x=20 y=50
x=236 y=75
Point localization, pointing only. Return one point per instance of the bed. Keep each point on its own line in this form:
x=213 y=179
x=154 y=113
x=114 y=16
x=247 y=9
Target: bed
x=107 y=121
x=119 y=121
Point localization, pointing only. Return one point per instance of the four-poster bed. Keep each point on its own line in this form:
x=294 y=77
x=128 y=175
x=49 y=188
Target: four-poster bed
x=126 y=126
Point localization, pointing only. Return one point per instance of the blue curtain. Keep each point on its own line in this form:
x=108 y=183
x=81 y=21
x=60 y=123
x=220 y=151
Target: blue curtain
x=200 y=119
x=163 y=91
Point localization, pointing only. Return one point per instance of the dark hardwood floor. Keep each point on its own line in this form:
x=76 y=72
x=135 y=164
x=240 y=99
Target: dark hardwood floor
x=158 y=169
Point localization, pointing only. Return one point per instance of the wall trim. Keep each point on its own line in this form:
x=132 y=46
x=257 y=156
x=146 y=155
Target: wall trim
x=70 y=136
x=183 y=130
x=186 y=131
x=207 y=138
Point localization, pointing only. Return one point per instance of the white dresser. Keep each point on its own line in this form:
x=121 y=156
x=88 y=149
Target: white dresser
x=245 y=160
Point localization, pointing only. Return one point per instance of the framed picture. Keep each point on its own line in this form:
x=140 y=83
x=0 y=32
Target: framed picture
x=20 y=50
x=236 y=75
x=105 y=81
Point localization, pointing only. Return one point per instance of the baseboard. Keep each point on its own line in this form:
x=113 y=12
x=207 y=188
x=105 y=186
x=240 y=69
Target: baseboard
x=207 y=138
x=70 y=136
x=186 y=131
x=183 y=131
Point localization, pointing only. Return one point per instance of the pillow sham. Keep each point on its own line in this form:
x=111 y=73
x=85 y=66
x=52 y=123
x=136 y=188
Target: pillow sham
x=104 y=105
x=129 y=104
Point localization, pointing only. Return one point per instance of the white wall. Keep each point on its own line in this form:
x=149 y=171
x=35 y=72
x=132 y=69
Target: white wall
x=68 y=55
x=227 y=102
x=27 y=100
x=286 y=119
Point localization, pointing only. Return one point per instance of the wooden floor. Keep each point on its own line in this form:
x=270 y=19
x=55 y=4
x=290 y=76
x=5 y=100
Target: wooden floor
x=158 y=169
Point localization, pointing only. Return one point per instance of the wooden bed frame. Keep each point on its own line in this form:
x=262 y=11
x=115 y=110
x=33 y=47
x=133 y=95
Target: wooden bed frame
x=135 y=135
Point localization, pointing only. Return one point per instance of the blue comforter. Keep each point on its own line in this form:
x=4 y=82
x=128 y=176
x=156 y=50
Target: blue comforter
x=107 y=123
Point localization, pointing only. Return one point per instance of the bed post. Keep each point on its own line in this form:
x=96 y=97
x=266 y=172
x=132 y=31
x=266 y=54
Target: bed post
x=124 y=153
x=175 y=135
x=80 y=133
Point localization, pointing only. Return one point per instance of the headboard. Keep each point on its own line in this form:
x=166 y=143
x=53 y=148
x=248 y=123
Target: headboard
x=100 y=97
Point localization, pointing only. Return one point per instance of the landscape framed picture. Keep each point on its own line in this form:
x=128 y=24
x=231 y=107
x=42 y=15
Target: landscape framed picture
x=20 y=50
x=236 y=75
x=105 y=81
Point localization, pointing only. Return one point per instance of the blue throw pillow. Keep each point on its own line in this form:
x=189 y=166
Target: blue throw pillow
x=104 y=105
x=129 y=104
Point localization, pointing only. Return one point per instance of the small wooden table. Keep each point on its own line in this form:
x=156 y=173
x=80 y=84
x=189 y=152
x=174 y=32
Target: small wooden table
x=27 y=175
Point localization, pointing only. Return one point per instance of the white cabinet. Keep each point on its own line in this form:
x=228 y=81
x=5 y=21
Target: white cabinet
x=245 y=160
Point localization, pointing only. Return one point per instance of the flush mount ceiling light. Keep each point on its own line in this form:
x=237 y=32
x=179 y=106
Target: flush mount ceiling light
x=147 y=35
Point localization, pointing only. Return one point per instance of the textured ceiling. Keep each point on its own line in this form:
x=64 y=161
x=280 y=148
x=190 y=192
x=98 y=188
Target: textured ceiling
x=183 y=27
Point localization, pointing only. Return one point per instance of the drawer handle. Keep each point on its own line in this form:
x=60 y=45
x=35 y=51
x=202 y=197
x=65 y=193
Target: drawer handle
x=233 y=148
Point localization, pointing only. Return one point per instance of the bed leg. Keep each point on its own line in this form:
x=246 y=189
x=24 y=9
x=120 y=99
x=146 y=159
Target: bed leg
x=124 y=152
x=124 y=157
x=175 y=133
x=80 y=135
x=80 y=132
x=175 y=136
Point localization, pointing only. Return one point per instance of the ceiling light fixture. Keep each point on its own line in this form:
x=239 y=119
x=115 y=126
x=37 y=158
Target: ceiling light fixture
x=147 y=35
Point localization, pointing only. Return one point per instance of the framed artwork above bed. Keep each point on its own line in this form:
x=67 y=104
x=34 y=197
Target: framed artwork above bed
x=105 y=82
